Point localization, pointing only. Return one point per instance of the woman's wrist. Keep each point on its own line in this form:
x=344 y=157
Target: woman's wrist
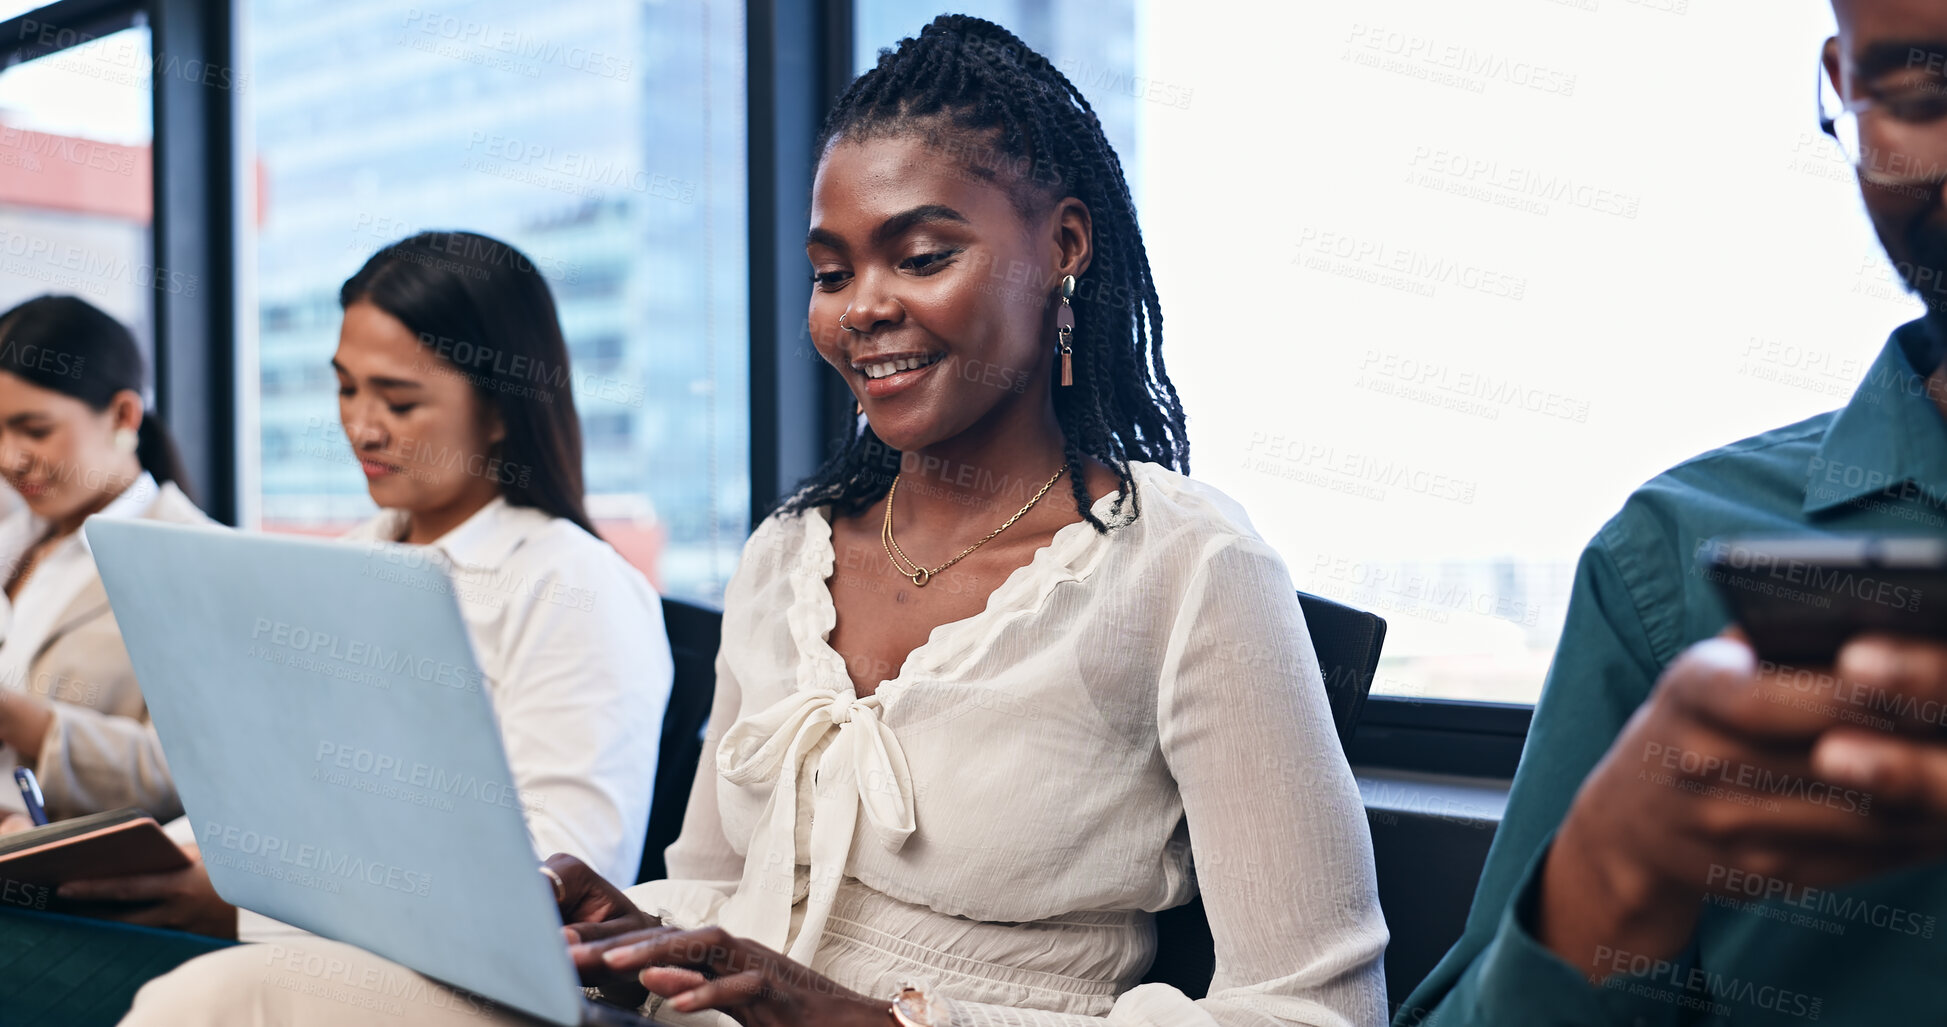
x=874 y=1012
x=11 y=704
x=24 y=720
x=913 y=1007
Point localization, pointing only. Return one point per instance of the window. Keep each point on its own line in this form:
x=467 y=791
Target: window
x=1443 y=283
x=602 y=354
x=75 y=179
x=606 y=140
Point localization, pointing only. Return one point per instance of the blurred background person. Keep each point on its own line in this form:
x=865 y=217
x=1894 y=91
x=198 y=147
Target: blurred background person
x=75 y=442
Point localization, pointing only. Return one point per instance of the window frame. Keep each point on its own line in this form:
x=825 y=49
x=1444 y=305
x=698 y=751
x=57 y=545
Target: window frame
x=798 y=60
x=1441 y=736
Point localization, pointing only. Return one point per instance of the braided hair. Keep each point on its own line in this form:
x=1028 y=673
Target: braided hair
x=977 y=93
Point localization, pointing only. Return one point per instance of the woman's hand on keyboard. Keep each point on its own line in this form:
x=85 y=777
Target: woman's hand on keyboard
x=592 y=912
x=710 y=968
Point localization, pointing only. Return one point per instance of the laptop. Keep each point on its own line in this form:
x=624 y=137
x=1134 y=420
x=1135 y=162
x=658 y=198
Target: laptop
x=336 y=752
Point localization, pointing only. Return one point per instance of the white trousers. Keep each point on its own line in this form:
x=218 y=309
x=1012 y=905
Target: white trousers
x=311 y=980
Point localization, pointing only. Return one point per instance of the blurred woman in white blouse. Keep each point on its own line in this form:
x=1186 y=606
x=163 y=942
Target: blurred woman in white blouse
x=454 y=394
x=1000 y=681
x=75 y=442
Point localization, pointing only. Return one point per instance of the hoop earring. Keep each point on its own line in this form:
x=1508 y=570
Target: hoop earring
x=1065 y=330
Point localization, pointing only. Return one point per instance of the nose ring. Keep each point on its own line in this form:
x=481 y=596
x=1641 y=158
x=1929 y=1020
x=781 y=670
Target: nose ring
x=843 y=325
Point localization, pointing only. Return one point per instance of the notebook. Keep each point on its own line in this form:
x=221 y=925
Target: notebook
x=111 y=844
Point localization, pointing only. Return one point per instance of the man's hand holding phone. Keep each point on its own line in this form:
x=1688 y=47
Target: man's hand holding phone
x=1735 y=766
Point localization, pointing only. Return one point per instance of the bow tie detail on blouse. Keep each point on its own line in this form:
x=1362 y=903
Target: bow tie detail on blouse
x=862 y=767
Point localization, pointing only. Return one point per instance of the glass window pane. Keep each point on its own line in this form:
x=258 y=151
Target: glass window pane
x=605 y=139
x=76 y=190
x=1442 y=283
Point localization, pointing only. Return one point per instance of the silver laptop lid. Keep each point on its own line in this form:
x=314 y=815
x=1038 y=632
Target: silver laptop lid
x=335 y=749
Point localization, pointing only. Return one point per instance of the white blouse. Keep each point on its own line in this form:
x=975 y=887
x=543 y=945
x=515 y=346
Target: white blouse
x=1132 y=718
x=570 y=640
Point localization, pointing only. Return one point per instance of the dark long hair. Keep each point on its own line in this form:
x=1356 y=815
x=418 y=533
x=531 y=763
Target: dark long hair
x=67 y=345
x=484 y=309
x=974 y=89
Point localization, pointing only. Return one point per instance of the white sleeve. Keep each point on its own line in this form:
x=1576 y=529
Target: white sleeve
x=93 y=761
x=100 y=752
x=1282 y=850
x=586 y=678
x=704 y=870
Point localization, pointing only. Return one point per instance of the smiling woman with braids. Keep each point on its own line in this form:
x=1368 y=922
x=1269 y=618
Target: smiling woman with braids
x=999 y=681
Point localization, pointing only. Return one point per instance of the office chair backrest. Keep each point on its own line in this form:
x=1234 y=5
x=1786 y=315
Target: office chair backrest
x=694 y=635
x=1347 y=641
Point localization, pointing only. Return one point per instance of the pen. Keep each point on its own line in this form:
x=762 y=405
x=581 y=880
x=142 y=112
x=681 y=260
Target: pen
x=30 y=793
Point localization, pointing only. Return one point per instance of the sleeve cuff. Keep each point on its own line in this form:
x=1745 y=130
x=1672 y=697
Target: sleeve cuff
x=683 y=904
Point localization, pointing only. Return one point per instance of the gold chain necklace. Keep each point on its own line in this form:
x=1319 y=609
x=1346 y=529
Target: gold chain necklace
x=920 y=575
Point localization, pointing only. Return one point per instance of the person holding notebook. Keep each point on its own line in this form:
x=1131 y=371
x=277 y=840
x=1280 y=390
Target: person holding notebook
x=75 y=442
x=453 y=393
x=1000 y=680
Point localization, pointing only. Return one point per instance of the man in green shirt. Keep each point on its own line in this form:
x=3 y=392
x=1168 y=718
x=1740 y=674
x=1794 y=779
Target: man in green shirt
x=1696 y=836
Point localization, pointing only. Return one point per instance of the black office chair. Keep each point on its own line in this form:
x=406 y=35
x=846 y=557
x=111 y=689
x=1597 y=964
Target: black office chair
x=694 y=635
x=1346 y=640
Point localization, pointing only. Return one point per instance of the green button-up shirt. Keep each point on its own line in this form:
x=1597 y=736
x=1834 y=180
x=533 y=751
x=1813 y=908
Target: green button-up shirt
x=1874 y=953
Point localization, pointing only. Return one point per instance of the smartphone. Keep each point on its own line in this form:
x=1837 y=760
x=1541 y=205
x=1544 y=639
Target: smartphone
x=1799 y=599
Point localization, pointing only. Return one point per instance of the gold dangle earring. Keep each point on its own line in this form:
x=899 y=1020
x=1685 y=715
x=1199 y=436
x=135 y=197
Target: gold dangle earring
x=1065 y=330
